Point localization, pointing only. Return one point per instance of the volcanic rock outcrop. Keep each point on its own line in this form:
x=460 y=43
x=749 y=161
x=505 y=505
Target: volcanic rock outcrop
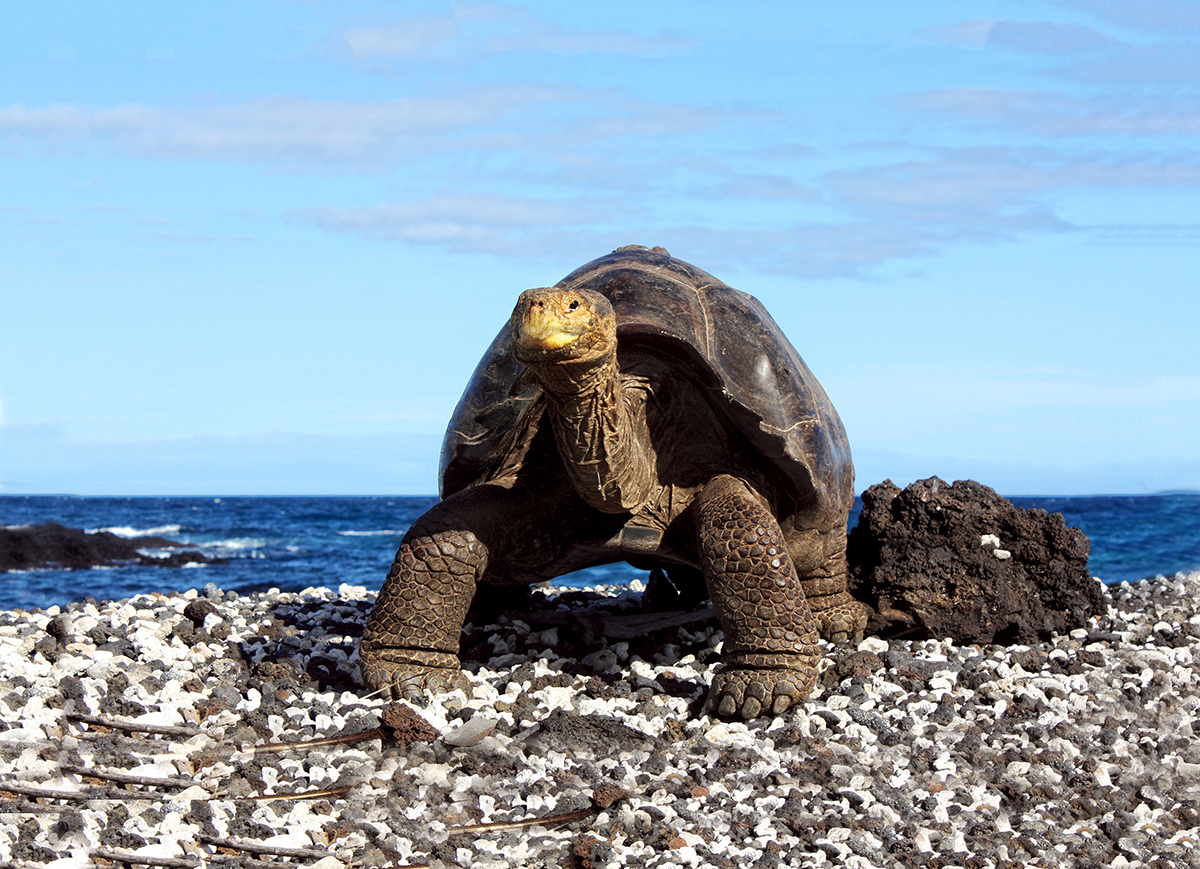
x=52 y=545
x=960 y=561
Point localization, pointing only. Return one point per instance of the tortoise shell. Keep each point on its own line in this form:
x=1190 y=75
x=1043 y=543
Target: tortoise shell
x=723 y=338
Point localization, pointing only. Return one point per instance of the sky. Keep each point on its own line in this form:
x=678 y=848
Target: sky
x=257 y=247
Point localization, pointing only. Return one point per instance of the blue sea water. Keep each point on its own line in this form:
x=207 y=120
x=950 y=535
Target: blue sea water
x=296 y=542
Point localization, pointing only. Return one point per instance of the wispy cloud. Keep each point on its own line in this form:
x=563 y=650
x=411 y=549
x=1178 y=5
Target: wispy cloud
x=1049 y=38
x=1166 y=60
x=465 y=222
x=473 y=31
x=557 y=166
x=1146 y=235
x=986 y=185
x=1056 y=114
x=411 y=37
x=1162 y=16
x=890 y=211
x=279 y=129
x=361 y=135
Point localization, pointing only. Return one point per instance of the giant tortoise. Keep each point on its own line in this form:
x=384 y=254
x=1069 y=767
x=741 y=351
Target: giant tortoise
x=639 y=410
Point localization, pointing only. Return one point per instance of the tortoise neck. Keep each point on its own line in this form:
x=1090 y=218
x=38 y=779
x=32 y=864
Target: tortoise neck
x=604 y=450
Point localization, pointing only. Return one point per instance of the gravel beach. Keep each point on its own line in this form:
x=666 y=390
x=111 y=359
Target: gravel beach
x=212 y=728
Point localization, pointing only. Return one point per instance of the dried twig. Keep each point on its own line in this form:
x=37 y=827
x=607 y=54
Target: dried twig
x=341 y=739
x=132 y=726
x=85 y=795
x=127 y=857
x=547 y=821
x=241 y=861
x=129 y=779
x=302 y=795
x=259 y=848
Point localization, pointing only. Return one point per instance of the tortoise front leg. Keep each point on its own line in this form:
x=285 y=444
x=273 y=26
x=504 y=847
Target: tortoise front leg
x=771 y=652
x=410 y=643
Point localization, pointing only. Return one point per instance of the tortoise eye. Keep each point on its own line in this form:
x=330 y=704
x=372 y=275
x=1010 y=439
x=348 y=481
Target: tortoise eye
x=574 y=306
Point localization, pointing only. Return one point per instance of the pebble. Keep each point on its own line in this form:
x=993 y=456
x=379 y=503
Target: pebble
x=1079 y=752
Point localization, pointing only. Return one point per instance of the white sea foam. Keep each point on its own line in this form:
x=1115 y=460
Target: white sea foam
x=383 y=533
x=127 y=531
x=237 y=543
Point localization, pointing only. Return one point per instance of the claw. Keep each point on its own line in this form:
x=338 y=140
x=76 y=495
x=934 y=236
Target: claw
x=843 y=623
x=749 y=693
x=411 y=682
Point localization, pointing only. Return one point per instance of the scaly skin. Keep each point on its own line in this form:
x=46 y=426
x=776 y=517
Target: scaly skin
x=410 y=643
x=771 y=650
x=840 y=618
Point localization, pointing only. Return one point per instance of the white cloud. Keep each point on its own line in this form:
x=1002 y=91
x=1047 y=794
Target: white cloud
x=964 y=34
x=466 y=222
x=1163 y=16
x=472 y=31
x=1049 y=38
x=1146 y=235
x=411 y=37
x=557 y=40
x=366 y=135
x=889 y=211
x=993 y=184
x=1094 y=58
x=1055 y=114
x=291 y=130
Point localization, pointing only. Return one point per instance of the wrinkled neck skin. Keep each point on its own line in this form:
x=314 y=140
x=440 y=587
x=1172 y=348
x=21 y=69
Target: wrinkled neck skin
x=601 y=437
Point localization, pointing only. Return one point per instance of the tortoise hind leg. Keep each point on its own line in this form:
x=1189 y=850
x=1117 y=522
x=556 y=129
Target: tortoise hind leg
x=840 y=618
x=411 y=639
x=771 y=650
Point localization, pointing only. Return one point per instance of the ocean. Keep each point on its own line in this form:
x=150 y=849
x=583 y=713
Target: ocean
x=293 y=543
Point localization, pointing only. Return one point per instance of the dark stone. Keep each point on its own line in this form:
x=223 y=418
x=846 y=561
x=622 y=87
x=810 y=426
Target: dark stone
x=54 y=545
x=590 y=734
x=71 y=688
x=60 y=628
x=200 y=609
x=918 y=558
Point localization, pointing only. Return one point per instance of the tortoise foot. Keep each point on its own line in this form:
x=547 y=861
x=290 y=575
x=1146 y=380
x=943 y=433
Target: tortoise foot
x=843 y=623
x=749 y=693
x=394 y=672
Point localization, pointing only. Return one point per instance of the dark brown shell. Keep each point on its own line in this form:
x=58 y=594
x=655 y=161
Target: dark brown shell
x=728 y=339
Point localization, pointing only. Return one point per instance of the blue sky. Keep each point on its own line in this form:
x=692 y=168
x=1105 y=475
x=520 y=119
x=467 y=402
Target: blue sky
x=257 y=247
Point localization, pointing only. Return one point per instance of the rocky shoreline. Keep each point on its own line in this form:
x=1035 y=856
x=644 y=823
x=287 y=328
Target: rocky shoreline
x=27 y=547
x=137 y=732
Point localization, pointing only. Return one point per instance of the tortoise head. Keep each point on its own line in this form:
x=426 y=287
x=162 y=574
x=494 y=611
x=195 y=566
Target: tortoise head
x=553 y=325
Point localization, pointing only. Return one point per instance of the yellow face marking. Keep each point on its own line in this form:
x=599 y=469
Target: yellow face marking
x=545 y=332
x=544 y=327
